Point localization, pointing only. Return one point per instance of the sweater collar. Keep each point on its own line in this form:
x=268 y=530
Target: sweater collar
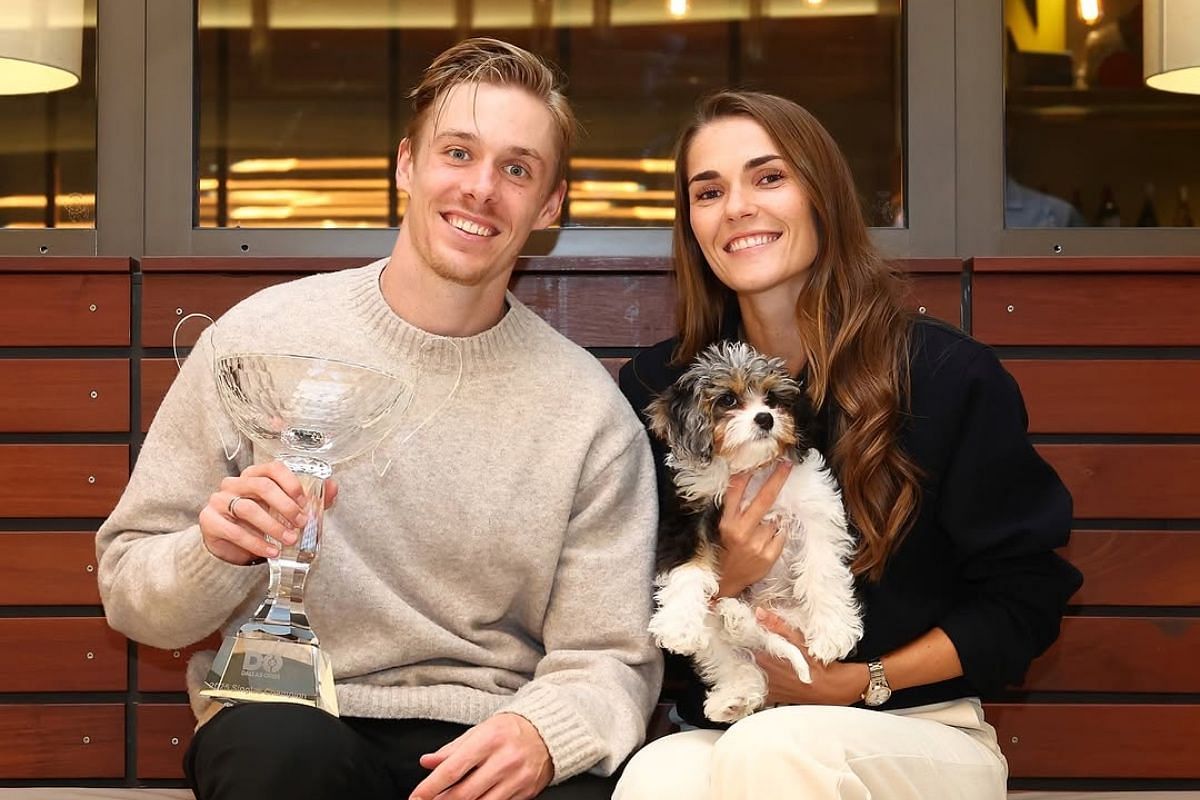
x=497 y=346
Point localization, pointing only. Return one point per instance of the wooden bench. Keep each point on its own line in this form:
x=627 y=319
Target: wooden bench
x=1106 y=351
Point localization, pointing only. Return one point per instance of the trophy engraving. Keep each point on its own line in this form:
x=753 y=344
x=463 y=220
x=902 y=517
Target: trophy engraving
x=313 y=413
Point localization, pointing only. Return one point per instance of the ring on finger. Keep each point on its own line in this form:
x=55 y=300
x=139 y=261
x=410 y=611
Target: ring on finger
x=232 y=505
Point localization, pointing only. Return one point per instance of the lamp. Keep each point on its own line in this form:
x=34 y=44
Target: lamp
x=41 y=45
x=1171 y=45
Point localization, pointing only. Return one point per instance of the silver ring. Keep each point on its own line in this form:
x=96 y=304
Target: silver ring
x=232 y=503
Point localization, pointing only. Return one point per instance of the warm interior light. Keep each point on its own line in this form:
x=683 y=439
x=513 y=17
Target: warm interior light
x=1089 y=11
x=41 y=45
x=1171 y=46
x=677 y=8
x=815 y=2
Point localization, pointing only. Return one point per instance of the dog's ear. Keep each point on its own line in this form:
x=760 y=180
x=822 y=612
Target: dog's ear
x=805 y=419
x=677 y=418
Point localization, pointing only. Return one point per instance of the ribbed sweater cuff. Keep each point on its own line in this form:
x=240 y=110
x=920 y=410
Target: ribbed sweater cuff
x=574 y=747
x=200 y=570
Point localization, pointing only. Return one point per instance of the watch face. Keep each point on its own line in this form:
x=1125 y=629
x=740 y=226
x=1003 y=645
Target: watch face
x=877 y=695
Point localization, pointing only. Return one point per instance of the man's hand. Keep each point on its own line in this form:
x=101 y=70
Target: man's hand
x=265 y=500
x=501 y=758
x=838 y=684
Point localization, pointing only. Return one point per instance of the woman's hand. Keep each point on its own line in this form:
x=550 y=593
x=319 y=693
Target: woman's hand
x=750 y=547
x=838 y=684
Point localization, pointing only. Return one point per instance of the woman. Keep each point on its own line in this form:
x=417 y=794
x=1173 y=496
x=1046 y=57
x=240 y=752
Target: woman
x=955 y=514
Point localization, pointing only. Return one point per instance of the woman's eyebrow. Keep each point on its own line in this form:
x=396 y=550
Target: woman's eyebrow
x=757 y=161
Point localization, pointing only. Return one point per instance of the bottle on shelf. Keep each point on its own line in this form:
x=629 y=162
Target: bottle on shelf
x=1183 y=210
x=1109 y=215
x=1148 y=216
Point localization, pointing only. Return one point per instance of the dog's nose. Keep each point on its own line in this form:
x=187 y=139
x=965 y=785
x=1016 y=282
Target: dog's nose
x=764 y=420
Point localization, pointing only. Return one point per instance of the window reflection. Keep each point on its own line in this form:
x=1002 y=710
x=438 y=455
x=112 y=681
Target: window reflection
x=302 y=104
x=48 y=143
x=1087 y=143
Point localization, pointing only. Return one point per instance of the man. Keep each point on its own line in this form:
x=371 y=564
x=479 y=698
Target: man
x=483 y=586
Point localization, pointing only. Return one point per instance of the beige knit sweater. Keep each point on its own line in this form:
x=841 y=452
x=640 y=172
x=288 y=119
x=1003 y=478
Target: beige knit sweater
x=502 y=561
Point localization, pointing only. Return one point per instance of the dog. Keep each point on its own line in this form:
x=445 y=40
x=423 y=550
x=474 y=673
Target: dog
x=735 y=410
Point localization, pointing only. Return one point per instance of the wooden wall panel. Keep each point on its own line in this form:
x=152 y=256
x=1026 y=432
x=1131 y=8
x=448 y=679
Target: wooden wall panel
x=164 y=733
x=49 y=654
x=1135 y=481
x=57 y=310
x=1083 y=309
x=938 y=296
x=164 y=670
x=157 y=376
x=1118 y=396
x=62 y=480
x=1136 y=568
x=48 y=568
x=1098 y=741
x=56 y=395
x=166 y=299
x=62 y=741
x=601 y=310
x=1118 y=654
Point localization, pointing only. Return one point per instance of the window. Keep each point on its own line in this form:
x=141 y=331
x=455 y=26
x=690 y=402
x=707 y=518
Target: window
x=302 y=104
x=48 y=139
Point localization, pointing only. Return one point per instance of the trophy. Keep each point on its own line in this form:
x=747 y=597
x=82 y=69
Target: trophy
x=313 y=413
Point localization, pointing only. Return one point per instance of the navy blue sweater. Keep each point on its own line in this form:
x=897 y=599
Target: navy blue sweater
x=979 y=561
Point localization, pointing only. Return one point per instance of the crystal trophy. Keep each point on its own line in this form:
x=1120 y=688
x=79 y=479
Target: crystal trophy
x=312 y=413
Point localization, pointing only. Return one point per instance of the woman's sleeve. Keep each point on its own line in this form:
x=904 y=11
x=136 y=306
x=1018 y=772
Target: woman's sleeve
x=1005 y=510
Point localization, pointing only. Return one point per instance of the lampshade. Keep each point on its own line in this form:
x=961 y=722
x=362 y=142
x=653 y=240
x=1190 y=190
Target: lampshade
x=1171 y=45
x=41 y=45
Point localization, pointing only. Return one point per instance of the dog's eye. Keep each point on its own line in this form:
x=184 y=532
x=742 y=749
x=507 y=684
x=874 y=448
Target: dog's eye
x=727 y=400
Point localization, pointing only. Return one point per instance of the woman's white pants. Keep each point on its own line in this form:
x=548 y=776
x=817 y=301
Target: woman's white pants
x=940 y=752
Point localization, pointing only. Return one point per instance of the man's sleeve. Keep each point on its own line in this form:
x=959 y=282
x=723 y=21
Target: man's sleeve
x=158 y=582
x=594 y=690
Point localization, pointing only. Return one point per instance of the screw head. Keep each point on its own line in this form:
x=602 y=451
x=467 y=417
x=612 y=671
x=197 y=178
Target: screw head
x=91 y=478
x=921 y=309
x=1015 y=740
x=92 y=307
x=90 y=568
x=179 y=312
x=1010 y=309
x=91 y=655
x=87 y=740
x=93 y=394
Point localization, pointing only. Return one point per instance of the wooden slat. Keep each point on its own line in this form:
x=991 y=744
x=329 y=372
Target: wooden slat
x=938 y=296
x=1086 y=309
x=157 y=376
x=1118 y=396
x=1087 y=264
x=1136 y=481
x=166 y=299
x=164 y=733
x=1136 y=568
x=1099 y=741
x=55 y=395
x=56 y=310
x=602 y=310
x=48 y=568
x=62 y=480
x=62 y=741
x=50 y=264
x=1118 y=654
x=165 y=670
x=61 y=654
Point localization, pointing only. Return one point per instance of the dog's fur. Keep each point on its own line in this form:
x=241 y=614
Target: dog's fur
x=735 y=410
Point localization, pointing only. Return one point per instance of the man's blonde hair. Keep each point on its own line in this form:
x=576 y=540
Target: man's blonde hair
x=491 y=61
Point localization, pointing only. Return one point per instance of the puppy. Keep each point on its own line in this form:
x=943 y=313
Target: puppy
x=733 y=411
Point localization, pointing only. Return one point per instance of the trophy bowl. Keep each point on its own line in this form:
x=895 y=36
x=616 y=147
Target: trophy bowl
x=310 y=413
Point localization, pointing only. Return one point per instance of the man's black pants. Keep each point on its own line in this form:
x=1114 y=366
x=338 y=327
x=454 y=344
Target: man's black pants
x=264 y=750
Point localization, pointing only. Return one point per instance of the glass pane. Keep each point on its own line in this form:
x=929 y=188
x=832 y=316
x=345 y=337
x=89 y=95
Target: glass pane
x=48 y=139
x=302 y=106
x=1087 y=143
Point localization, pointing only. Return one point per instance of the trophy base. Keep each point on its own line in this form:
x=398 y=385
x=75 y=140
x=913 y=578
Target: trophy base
x=260 y=669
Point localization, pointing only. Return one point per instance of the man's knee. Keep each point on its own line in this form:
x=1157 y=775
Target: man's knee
x=271 y=744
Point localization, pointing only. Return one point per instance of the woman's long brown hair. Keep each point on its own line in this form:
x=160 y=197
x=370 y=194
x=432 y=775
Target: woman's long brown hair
x=853 y=325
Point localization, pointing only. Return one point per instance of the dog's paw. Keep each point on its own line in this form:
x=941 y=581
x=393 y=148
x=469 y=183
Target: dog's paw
x=729 y=706
x=828 y=647
x=679 y=635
